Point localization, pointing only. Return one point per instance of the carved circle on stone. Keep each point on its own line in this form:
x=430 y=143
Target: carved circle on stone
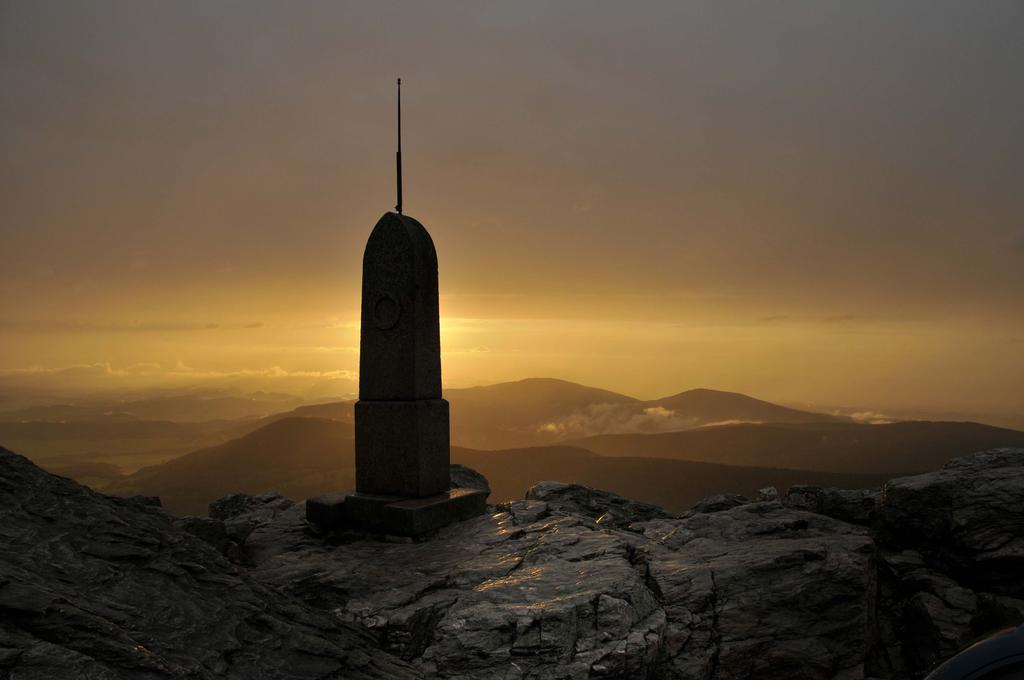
x=386 y=311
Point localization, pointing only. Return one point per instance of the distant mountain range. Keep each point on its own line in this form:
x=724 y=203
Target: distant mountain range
x=301 y=457
x=673 y=484
x=180 y=408
x=669 y=451
x=539 y=411
x=893 y=448
x=127 y=444
x=129 y=434
x=306 y=456
x=544 y=411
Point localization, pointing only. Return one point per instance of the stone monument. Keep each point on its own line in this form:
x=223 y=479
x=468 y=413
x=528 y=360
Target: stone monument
x=402 y=429
x=401 y=419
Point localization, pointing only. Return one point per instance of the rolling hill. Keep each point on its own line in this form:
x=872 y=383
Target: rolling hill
x=894 y=448
x=131 y=434
x=515 y=413
x=714 y=406
x=673 y=484
x=302 y=457
x=523 y=415
x=543 y=411
x=124 y=435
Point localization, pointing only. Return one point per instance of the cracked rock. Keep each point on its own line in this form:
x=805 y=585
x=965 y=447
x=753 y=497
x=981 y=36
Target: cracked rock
x=95 y=587
x=570 y=583
x=608 y=508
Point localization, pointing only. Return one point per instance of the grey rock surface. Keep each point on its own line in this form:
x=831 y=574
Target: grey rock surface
x=240 y=513
x=262 y=507
x=93 y=586
x=719 y=502
x=538 y=588
x=213 y=532
x=576 y=582
x=467 y=478
x=952 y=554
x=604 y=507
x=858 y=506
x=548 y=594
x=763 y=591
x=967 y=519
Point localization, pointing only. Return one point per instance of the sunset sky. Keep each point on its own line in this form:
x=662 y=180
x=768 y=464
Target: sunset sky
x=817 y=203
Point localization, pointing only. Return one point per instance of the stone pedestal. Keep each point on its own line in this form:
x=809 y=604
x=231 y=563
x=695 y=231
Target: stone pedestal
x=395 y=515
x=402 y=447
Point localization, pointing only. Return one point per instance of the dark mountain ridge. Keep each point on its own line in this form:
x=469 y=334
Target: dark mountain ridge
x=672 y=484
x=542 y=411
x=714 y=406
x=892 y=448
x=302 y=457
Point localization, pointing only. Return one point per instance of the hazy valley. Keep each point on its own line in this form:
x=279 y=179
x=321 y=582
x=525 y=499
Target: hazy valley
x=671 y=451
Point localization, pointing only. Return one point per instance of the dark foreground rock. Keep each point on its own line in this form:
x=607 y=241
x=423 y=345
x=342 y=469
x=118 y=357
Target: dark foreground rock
x=98 y=587
x=467 y=478
x=858 y=506
x=604 y=507
x=967 y=518
x=952 y=549
x=569 y=583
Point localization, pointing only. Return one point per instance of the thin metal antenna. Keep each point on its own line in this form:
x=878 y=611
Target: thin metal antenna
x=398 y=156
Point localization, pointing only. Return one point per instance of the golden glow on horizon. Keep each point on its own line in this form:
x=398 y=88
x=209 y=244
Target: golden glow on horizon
x=840 y=362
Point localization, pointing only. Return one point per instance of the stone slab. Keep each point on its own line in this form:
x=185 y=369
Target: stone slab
x=366 y=511
x=393 y=515
x=402 y=447
x=421 y=515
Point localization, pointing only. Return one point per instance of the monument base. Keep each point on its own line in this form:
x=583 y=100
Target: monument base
x=402 y=447
x=392 y=514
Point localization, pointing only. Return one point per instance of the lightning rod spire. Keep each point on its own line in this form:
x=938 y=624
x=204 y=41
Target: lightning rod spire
x=398 y=155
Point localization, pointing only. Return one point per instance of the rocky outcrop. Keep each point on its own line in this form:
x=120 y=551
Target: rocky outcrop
x=569 y=583
x=967 y=518
x=604 y=507
x=952 y=554
x=521 y=591
x=93 y=586
x=759 y=590
x=857 y=506
x=467 y=478
x=719 y=502
x=540 y=591
x=575 y=582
